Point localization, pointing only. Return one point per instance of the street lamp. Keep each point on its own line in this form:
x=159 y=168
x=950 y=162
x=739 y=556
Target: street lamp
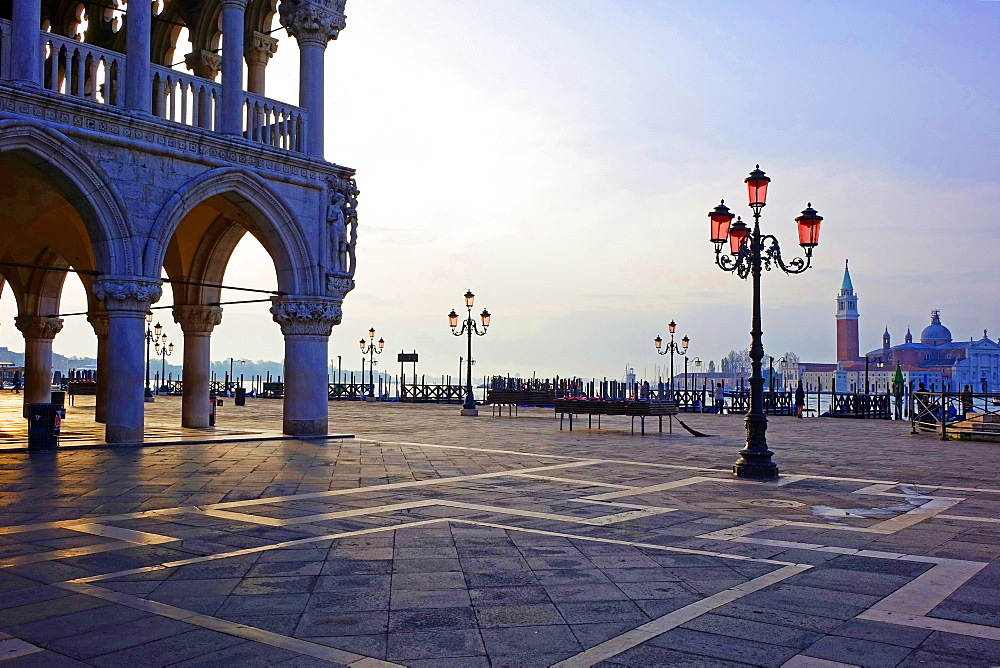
x=671 y=349
x=697 y=368
x=749 y=251
x=371 y=350
x=469 y=327
x=163 y=351
x=148 y=393
x=232 y=378
x=878 y=362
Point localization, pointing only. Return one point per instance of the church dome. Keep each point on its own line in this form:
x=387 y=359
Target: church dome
x=935 y=333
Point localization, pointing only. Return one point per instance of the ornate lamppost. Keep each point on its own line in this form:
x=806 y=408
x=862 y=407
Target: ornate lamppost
x=469 y=327
x=148 y=393
x=749 y=251
x=371 y=350
x=672 y=349
x=879 y=362
x=163 y=351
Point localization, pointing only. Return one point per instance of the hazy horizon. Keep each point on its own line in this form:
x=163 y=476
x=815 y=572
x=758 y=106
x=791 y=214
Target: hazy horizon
x=560 y=158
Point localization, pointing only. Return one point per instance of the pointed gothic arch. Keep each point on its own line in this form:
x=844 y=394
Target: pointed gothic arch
x=66 y=167
x=269 y=217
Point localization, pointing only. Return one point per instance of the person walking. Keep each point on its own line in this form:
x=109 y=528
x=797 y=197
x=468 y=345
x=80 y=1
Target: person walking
x=800 y=400
x=720 y=398
x=966 y=398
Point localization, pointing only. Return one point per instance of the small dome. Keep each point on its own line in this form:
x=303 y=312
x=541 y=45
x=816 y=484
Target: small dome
x=935 y=333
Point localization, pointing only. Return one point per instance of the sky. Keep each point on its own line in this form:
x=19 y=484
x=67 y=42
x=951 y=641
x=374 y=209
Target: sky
x=559 y=159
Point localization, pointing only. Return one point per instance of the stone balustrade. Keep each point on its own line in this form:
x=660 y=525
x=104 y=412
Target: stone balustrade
x=95 y=75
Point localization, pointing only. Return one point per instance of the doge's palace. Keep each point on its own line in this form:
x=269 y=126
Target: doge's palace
x=118 y=167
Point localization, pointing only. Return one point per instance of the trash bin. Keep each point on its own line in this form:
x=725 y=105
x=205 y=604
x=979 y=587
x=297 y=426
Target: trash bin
x=58 y=397
x=241 y=396
x=211 y=409
x=44 y=421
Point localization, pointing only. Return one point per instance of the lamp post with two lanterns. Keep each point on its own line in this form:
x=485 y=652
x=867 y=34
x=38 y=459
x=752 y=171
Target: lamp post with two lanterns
x=163 y=351
x=469 y=327
x=749 y=252
x=150 y=337
x=671 y=349
x=370 y=349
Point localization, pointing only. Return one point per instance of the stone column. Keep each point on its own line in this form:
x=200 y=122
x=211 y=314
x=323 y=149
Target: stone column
x=38 y=333
x=138 y=82
x=126 y=300
x=231 y=120
x=312 y=23
x=306 y=323
x=260 y=48
x=197 y=323
x=99 y=321
x=26 y=43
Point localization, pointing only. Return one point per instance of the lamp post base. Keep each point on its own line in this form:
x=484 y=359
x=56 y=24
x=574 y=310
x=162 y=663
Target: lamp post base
x=470 y=412
x=754 y=465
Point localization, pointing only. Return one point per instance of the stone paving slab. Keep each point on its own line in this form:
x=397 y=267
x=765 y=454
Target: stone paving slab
x=438 y=540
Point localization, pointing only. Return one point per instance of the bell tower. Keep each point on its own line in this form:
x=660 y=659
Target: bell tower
x=847 y=320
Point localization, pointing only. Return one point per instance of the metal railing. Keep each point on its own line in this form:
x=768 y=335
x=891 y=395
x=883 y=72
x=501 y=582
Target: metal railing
x=82 y=70
x=971 y=415
x=432 y=394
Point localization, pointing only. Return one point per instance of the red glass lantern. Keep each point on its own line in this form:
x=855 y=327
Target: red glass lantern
x=453 y=319
x=381 y=344
x=721 y=219
x=362 y=345
x=672 y=326
x=468 y=298
x=736 y=234
x=685 y=342
x=809 y=223
x=757 y=187
x=485 y=315
x=658 y=342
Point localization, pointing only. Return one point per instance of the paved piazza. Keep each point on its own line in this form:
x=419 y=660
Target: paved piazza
x=436 y=540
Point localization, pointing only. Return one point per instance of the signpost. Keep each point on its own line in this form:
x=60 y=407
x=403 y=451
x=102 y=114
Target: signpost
x=402 y=358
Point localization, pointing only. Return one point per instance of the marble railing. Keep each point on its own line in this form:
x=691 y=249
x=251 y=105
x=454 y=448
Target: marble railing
x=97 y=76
x=81 y=70
x=4 y=49
x=185 y=98
x=274 y=123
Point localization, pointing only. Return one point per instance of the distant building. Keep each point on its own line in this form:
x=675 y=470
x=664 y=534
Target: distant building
x=936 y=360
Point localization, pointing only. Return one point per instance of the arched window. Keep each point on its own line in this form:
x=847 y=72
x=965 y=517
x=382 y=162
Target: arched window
x=114 y=13
x=78 y=23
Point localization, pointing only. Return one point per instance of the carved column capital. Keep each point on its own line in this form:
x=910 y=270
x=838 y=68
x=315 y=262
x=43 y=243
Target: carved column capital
x=127 y=293
x=338 y=285
x=310 y=316
x=260 y=48
x=204 y=64
x=196 y=318
x=236 y=4
x=99 y=321
x=38 y=327
x=313 y=21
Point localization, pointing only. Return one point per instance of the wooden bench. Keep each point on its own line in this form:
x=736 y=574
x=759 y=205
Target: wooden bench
x=633 y=409
x=514 y=398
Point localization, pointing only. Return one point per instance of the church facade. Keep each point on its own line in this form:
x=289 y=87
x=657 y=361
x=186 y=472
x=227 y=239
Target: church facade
x=935 y=360
x=118 y=168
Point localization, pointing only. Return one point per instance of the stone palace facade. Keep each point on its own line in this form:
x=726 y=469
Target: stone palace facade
x=115 y=166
